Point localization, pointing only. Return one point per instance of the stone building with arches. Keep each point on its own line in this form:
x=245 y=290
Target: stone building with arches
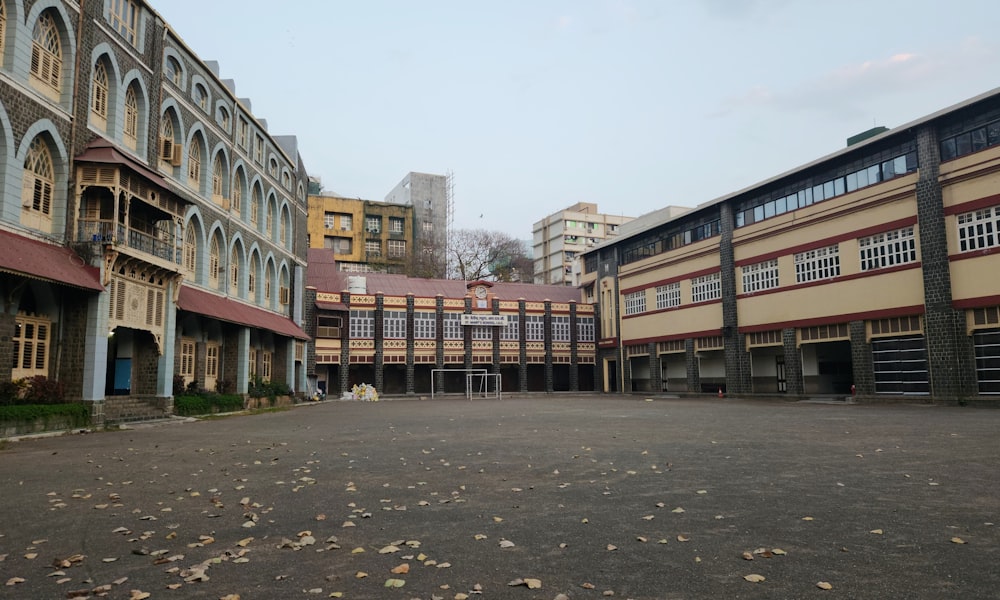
x=152 y=230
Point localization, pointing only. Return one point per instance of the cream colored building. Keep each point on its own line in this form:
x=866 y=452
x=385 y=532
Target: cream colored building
x=559 y=238
x=870 y=270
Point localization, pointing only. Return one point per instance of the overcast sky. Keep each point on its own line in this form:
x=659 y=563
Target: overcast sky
x=634 y=105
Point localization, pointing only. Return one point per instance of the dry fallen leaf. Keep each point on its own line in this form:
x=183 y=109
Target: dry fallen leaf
x=957 y=540
x=394 y=583
x=682 y=538
x=824 y=585
x=876 y=531
x=754 y=578
x=402 y=569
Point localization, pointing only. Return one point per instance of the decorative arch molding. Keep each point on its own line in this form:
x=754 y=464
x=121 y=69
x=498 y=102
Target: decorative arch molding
x=60 y=172
x=14 y=36
x=138 y=295
x=169 y=52
x=8 y=164
x=65 y=25
x=134 y=78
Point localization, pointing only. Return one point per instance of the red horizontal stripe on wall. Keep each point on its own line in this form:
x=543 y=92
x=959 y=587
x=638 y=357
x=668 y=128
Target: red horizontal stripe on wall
x=971 y=205
x=850 y=235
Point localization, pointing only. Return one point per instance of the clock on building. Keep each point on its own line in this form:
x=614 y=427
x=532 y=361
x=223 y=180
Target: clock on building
x=481 y=291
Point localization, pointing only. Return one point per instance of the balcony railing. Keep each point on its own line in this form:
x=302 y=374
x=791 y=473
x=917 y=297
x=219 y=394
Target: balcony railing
x=108 y=232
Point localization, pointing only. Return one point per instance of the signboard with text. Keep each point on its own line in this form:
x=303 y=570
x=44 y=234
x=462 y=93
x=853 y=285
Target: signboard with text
x=484 y=320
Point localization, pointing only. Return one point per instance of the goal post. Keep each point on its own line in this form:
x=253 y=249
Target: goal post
x=478 y=381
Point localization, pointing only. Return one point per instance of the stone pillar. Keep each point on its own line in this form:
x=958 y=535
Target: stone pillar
x=165 y=361
x=496 y=340
x=574 y=358
x=547 y=327
x=309 y=327
x=95 y=359
x=379 y=342
x=522 y=334
x=949 y=352
x=345 y=347
x=626 y=371
x=439 y=343
x=655 y=371
x=410 y=348
x=861 y=359
x=467 y=336
x=243 y=350
x=794 y=384
x=737 y=358
x=693 y=370
x=200 y=364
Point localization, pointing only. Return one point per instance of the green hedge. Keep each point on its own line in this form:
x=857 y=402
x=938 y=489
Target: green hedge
x=207 y=404
x=78 y=414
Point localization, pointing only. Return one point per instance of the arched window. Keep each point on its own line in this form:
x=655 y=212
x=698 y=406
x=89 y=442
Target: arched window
x=190 y=250
x=269 y=219
x=99 y=96
x=213 y=262
x=217 y=176
x=272 y=167
x=255 y=208
x=283 y=234
x=46 y=56
x=169 y=152
x=236 y=193
x=39 y=182
x=130 y=131
x=222 y=118
x=172 y=69
x=252 y=278
x=194 y=164
x=267 y=286
x=200 y=96
x=234 y=272
x=286 y=180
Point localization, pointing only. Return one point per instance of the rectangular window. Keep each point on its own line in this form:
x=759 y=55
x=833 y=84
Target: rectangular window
x=814 y=265
x=394 y=324
x=428 y=226
x=125 y=19
x=512 y=330
x=266 y=360
x=534 y=328
x=211 y=360
x=585 y=329
x=424 y=325
x=328 y=327
x=345 y=223
x=396 y=248
x=373 y=248
x=395 y=225
x=635 y=302
x=706 y=288
x=560 y=329
x=978 y=229
x=373 y=224
x=31 y=347
x=258 y=149
x=452 y=326
x=482 y=333
x=328 y=220
x=668 y=296
x=887 y=249
x=761 y=276
x=242 y=133
x=187 y=359
x=253 y=363
x=362 y=324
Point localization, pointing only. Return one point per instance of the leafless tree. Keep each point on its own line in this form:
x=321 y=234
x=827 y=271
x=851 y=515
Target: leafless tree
x=488 y=255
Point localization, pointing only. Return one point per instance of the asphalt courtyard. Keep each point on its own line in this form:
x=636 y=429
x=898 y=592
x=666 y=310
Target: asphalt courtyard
x=535 y=498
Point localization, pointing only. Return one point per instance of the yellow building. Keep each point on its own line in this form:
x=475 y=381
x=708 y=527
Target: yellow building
x=868 y=271
x=365 y=236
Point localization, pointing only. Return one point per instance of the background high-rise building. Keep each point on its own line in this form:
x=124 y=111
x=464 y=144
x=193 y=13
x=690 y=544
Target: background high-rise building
x=561 y=236
x=431 y=197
